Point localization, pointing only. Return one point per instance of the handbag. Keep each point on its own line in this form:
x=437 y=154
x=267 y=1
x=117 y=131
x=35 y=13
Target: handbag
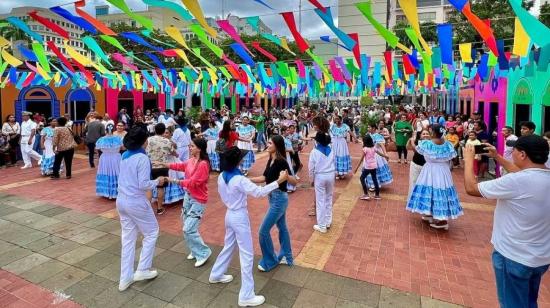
x=76 y=137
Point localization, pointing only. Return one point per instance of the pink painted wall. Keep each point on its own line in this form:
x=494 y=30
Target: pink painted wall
x=493 y=91
x=111 y=100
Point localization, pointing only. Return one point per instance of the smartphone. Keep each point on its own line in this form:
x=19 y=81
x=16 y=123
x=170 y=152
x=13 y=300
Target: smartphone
x=480 y=149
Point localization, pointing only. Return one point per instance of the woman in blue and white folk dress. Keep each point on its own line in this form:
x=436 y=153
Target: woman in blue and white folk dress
x=434 y=195
x=342 y=159
x=182 y=138
x=246 y=135
x=106 y=179
x=173 y=192
x=383 y=171
x=48 y=155
x=212 y=136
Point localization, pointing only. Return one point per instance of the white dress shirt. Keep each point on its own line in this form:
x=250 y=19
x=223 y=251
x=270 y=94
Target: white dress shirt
x=134 y=179
x=319 y=163
x=27 y=127
x=234 y=194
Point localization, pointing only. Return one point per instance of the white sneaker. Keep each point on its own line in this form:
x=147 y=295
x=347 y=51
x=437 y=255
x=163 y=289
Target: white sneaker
x=297 y=178
x=223 y=279
x=26 y=167
x=320 y=229
x=190 y=257
x=123 y=285
x=283 y=261
x=200 y=263
x=145 y=275
x=255 y=301
x=261 y=268
x=40 y=161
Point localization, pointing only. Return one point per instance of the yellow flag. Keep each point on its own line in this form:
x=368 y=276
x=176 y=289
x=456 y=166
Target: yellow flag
x=76 y=55
x=174 y=33
x=194 y=7
x=284 y=44
x=42 y=72
x=57 y=77
x=182 y=55
x=13 y=61
x=409 y=8
x=138 y=81
x=182 y=76
x=521 y=40
x=466 y=52
x=4 y=42
x=213 y=76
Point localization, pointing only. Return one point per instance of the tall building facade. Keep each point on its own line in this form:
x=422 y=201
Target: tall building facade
x=428 y=10
x=351 y=20
x=74 y=31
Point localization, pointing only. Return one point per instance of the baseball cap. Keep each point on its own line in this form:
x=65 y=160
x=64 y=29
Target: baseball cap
x=534 y=146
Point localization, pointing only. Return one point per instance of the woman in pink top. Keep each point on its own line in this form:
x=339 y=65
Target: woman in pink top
x=197 y=170
x=369 y=167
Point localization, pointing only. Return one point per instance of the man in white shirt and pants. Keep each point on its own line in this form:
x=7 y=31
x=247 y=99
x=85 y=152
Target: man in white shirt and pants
x=28 y=131
x=521 y=228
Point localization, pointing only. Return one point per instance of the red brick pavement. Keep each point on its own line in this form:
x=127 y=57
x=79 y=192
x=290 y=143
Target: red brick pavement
x=17 y=292
x=381 y=243
x=385 y=244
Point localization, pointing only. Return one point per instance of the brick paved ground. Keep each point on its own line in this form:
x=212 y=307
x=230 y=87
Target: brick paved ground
x=59 y=236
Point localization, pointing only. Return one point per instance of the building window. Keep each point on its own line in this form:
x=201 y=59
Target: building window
x=427 y=16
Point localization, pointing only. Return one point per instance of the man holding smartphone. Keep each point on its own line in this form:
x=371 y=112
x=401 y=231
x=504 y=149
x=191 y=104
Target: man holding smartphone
x=521 y=228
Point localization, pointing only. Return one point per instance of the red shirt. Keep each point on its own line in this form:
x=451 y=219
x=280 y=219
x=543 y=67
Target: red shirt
x=196 y=178
x=233 y=137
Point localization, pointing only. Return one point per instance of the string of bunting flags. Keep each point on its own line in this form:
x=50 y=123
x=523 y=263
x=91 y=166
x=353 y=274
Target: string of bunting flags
x=420 y=68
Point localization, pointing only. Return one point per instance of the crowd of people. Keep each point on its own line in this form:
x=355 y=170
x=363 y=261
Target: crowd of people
x=161 y=158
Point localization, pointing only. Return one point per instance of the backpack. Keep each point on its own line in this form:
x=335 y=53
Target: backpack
x=220 y=145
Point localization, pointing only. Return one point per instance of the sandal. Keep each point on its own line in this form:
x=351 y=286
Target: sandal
x=161 y=211
x=365 y=197
x=312 y=212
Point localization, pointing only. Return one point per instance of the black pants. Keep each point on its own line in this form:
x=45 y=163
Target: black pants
x=296 y=159
x=401 y=149
x=91 y=153
x=66 y=156
x=364 y=175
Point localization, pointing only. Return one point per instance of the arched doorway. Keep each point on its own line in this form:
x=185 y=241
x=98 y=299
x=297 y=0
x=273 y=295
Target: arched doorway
x=37 y=99
x=522 y=101
x=178 y=103
x=546 y=109
x=78 y=103
x=150 y=101
x=126 y=100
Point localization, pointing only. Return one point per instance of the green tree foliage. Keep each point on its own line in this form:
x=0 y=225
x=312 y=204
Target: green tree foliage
x=176 y=62
x=498 y=11
x=427 y=29
x=544 y=16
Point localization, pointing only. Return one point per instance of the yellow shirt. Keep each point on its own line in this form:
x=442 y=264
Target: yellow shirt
x=452 y=138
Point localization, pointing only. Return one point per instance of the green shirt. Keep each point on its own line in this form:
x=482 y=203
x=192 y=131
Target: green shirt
x=259 y=123
x=403 y=131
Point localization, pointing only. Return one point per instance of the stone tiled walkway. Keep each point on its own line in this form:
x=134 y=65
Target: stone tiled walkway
x=76 y=255
x=376 y=253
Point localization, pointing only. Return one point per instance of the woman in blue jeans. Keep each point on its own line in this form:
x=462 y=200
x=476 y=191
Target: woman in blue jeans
x=278 y=202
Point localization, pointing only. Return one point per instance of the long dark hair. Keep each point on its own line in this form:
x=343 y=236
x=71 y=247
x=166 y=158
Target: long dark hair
x=226 y=130
x=201 y=144
x=280 y=149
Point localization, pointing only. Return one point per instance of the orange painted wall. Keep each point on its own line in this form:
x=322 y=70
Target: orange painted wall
x=9 y=94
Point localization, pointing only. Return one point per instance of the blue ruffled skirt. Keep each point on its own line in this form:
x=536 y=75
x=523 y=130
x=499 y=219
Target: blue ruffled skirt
x=248 y=161
x=434 y=193
x=106 y=180
x=383 y=172
x=342 y=159
x=46 y=168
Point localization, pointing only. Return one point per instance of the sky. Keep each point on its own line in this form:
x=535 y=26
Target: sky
x=312 y=25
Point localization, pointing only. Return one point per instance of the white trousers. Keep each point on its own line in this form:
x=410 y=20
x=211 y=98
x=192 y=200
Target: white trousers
x=237 y=234
x=27 y=152
x=324 y=189
x=414 y=172
x=136 y=216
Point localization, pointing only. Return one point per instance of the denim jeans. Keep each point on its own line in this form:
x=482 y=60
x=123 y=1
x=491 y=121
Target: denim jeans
x=276 y=214
x=191 y=216
x=260 y=139
x=517 y=284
